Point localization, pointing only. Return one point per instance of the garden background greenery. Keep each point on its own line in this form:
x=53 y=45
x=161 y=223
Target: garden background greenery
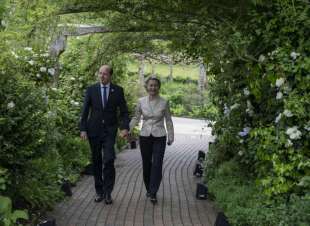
x=256 y=54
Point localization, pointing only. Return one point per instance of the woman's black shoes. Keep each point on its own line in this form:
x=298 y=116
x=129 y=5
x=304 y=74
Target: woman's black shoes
x=153 y=199
x=148 y=194
x=99 y=197
x=106 y=197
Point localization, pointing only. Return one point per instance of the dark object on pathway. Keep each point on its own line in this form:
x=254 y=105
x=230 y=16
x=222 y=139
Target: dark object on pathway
x=201 y=191
x=221 y=220
x=48 y=222
x=133 y=144
x=88 y=170
x=198 y=171
x=66 y=188
x=201 y=155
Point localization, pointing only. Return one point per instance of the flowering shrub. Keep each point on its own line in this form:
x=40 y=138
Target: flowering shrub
x=39 y=147
x=264 y=103
x=261 y=88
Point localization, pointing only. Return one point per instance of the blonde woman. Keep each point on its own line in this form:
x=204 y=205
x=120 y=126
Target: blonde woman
x=155 y=113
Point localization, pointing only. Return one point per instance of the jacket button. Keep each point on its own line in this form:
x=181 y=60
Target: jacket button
x=102 y=121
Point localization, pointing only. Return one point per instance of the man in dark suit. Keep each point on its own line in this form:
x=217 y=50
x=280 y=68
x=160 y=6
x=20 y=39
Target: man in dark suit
x=99 y=123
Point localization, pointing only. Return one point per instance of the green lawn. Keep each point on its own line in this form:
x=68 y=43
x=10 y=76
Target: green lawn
x=179 y=70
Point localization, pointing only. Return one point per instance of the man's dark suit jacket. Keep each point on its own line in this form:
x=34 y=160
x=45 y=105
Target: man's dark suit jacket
x=95 y=120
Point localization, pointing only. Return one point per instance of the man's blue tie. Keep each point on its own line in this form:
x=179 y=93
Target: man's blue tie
x=105 y=99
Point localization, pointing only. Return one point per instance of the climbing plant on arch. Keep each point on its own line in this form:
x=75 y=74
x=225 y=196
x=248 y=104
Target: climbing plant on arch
x=258 y=54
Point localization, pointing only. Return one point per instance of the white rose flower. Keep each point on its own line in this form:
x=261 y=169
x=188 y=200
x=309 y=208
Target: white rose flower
x=279 y=82
x=278 y=118
x=291 y=130
x=38 y=75
x=43 y=69
x=296 y=135
x=14 y=54
x=54 y=89
x=287 y=113
x=51 y=71
x=293 y=133
x=76 y=104
x=31 y=62
x=28 y=48
x=294 y=55
x=246 y=92
x=279 y=95
x=11 y=105
x=72 y=79
x=222 y=70
x=240 y=153
x=261 y=58
x=45 y=54
x=3 y=23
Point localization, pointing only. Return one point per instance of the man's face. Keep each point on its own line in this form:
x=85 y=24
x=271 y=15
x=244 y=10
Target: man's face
x=104 y=75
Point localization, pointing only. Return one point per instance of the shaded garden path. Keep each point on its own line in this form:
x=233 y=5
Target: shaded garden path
x=177 y=204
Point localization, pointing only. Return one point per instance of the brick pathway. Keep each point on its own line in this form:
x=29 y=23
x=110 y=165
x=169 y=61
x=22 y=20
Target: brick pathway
x=177 y=204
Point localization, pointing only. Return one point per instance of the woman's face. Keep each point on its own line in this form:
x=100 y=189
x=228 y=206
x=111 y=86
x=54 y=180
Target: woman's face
x=152 y=87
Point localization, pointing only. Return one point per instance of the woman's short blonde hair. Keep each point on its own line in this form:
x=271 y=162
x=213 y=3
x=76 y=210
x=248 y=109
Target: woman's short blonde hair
x=152 y=77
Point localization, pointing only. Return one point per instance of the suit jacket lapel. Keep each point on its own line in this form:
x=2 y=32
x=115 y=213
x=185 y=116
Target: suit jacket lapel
x=98 y=88
x=111 y=92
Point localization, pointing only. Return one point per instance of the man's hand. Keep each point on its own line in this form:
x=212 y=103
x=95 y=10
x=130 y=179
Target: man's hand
x=124 y=133
x=83 y=135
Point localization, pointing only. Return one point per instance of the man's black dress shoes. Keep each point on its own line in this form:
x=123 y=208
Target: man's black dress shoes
x=99 y=198
x=108 y=199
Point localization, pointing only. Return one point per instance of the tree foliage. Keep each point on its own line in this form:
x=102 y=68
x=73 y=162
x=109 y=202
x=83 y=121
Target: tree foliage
x=257 y=53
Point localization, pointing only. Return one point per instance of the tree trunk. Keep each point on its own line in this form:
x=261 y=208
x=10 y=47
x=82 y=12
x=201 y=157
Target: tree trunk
x=202 y=80
x=141 y=74
x=170 y=71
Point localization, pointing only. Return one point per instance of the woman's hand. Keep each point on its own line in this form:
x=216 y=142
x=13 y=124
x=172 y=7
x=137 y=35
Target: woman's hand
x=83 y=135
x=124 y=133
x=131 y=137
